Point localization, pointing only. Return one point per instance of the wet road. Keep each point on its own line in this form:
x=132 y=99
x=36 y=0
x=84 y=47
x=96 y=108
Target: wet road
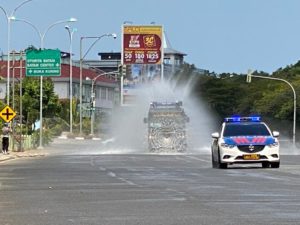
x=86 y=182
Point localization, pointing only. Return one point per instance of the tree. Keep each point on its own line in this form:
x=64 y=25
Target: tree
x=31 y=100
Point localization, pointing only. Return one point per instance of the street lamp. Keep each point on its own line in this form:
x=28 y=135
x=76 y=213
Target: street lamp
x=249 y=75
x=80 y=62
x=42 y=37
x=93 y=97
x=71 y=32
x=9 y=17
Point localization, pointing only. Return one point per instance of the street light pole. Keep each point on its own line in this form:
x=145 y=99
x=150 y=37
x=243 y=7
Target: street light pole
x=42 y=37
x=80 y=76
x=80 y=88
x=21 y=100
x=71 y=32
x=9 y=18
x=93 y=105
x=93 y=97
x=249 y=75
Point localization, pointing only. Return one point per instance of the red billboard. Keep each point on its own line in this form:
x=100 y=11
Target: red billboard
x=142 y=44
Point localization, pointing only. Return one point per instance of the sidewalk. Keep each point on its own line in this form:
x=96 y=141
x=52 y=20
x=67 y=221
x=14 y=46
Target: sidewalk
x=26 y=153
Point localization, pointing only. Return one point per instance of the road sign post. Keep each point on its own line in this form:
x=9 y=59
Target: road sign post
x=40 y=63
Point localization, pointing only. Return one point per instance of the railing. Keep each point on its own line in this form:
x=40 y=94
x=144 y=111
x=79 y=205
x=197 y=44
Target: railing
x=14 y=142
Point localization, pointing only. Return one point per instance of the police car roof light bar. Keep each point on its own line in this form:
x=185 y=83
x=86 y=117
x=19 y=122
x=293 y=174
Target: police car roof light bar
x=243 y=119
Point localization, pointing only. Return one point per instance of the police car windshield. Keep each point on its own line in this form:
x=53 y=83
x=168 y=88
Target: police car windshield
x=245 y=129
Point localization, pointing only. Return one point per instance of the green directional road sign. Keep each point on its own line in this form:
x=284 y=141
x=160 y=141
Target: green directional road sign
x=43 y=62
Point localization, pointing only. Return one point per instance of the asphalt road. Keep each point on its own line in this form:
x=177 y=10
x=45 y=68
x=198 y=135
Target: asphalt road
x=86 y=182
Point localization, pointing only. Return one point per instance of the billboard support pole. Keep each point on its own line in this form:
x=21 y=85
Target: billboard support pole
x=162 y=56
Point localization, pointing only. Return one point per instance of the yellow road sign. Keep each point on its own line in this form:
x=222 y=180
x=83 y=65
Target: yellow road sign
x=7 y=114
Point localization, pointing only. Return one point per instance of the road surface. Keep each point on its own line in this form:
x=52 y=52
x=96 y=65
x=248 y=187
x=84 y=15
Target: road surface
x=86 y=182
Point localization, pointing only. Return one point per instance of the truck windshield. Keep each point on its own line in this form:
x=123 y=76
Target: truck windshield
x=245 y=129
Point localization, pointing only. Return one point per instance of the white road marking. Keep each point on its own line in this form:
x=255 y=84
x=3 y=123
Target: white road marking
x=111 y=174
x=193 y=157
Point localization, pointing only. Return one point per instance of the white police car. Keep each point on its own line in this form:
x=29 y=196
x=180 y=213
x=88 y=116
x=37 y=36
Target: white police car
x=245 y=140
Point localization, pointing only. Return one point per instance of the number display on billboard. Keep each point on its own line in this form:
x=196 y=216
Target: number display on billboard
x=142 y=44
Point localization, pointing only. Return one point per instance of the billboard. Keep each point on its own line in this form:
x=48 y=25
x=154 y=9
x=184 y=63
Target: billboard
x=142 y=44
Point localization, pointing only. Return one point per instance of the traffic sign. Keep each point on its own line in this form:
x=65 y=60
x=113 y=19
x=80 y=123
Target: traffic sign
x=43 y=62
x=7 y=114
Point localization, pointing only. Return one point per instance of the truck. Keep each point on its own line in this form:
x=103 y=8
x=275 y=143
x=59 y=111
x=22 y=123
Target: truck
x=166 y=127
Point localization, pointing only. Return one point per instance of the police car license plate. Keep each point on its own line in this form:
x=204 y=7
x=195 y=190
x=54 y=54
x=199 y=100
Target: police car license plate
x=251 y=157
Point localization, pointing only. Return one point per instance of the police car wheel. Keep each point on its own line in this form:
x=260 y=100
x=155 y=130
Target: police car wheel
x=221 y=165
x=213 y=161
x=275 y=165
x=265 y=164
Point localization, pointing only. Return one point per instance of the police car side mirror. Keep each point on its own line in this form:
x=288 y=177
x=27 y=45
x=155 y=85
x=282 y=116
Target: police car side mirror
x=145 y=120
x=275 y=134
x=215 y=135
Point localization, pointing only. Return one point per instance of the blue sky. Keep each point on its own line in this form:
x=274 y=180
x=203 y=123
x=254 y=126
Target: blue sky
x=218 y=35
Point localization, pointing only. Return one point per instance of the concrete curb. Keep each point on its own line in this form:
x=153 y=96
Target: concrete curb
x=25 y=154
x=5 y=157
x=63 y=137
